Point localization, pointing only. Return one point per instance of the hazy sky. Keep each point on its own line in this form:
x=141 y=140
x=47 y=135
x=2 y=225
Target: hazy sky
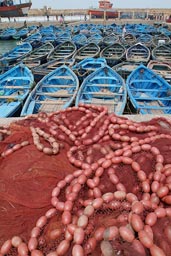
x=74 y=4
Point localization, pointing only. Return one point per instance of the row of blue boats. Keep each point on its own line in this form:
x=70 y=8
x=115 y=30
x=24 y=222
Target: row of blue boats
x=54 y=74
x=148 y=92
x=114 y=47
x=86 y=28
x=76 y=43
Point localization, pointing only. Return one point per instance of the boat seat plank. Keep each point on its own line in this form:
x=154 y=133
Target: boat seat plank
x=152 y=98
x=57 y=86
x=51 y=108
x=54 y=94
x=61 y=77
x=16 y=87
x=103 y=93
x=50 y=102
x=148 y=90
x=143 y=81
x=103 y=77
x=9 y=96
x=11 y=78
x=102 y=102
x=154 y=107
x=104 y=85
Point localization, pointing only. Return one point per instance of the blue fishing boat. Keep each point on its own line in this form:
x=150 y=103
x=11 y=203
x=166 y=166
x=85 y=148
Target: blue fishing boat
x=160 y=39
x=110 y=39
x=63 y=37
x=95 y=30
x=16 y=54
x=148 y=92
x=49 y=38
x=62 y=51
x=8 y=33
x=79 y=40
x=125 y=68
x=161 y=68
x=32 y=29
x=75 y=30
x=21 y=34
x=103 y=87
x=32 y=38
x=44 y=69
x=145 y=39
x=15 y=86
x=162 y=53
x=45 y=30
x=128 y=40
x=54 y=92
x=95 y=38
x=87 y=66
x=113 y=53
x=138 y=53
x=38 y=56
x=89 y=50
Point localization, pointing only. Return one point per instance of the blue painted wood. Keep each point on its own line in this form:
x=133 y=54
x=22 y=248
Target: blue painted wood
x=40 y=54
x=32 y=38
x=148 y=92
x=79 y=40
x=16 y=54
x=21 y=34
x=87 y=66
x=15 y=86
x=44 y=69
x=54 y=92
x=7 y=33
x=103 y=87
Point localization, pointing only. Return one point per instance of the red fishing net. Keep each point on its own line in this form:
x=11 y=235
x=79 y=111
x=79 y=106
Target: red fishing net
x=83 y=182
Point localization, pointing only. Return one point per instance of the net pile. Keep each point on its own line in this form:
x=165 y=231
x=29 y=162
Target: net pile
x=84 y=182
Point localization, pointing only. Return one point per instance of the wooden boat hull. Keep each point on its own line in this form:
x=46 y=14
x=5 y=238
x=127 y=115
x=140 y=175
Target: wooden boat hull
x=38 y=55
x=79 y=40
x=162 y=53
x=162 y=69
x=148 y=92
x=18 y=10
x=54 y=92
x=124 y=69
x=128 y=40
x=104 y=87
x=87 y=66
x=45 y=69
x=16 y=54
x=138 y=53
x=63 y=51
x=8 y=33
x=15 y=86
x=113 y=53
x=90 y=50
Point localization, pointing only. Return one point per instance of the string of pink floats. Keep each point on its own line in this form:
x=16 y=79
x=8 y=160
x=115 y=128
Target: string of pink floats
x=156 y=187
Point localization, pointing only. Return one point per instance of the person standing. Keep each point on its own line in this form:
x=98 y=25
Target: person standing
x=123 y=31
x=61 y=19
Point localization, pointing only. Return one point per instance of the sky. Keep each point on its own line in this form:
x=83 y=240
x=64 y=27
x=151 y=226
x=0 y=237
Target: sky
x=85 y=4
